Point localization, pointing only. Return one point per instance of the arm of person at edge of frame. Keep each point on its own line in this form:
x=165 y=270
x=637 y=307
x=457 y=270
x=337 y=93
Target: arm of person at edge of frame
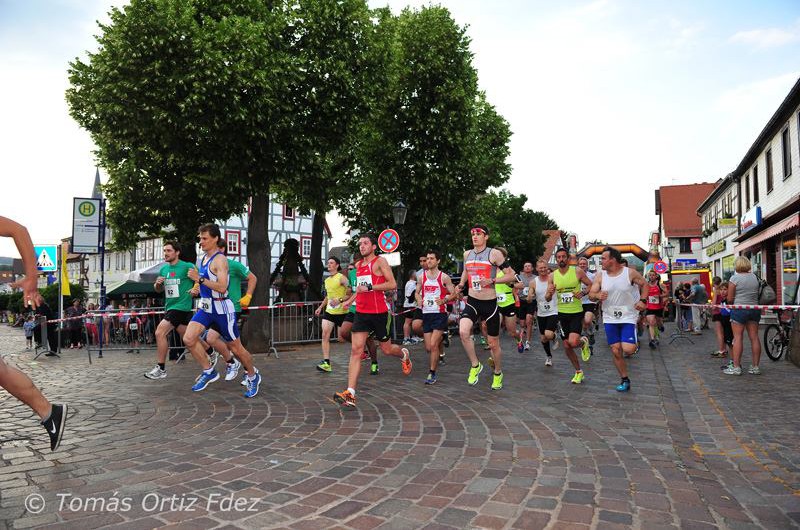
x=219 y=266
x=531 y=290
x=252 y=280
x=595 y=293
x=731 y=292
x=22 y=239
x=638 y=279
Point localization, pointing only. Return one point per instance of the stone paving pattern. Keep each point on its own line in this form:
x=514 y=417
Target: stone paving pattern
x=687 y=448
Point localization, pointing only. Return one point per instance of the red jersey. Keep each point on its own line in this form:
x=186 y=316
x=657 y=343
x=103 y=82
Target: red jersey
x=654 y=297
x=370 y=301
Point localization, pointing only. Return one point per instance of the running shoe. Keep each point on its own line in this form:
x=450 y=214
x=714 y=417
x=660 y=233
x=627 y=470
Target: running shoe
x=442 y=360
x=252 y=385
x=577 y=378
x=446 y=339
x=754 y=370
x=213 y=357
x=54 y=424
x=416 y=340
x=520 y=347
x=483 y=340
x=719 y=354
x=527 y=346
x=232 y=369
x=373 y=369
x=548 y=361
x=345 y=398
x=732 y=370
x=661 y=328
x=586 y=353
x=624 y=386
x=474 y=372
x=727 y=365
x=652 y=344
x=490 y=362
x=554 y=344
x=324 y=367
x=204 y=380
x=431 y=379
x=497 y=381
x=156 y=373
x=406 y=362
x=406 y=342
x=591 y=339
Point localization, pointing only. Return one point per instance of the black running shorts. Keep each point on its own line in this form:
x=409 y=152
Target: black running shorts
x=483 y=310
x=178 y=318
x=375 y=323
x=571 y=323
x=547 y=323
x=508 y=311
x=337 y=320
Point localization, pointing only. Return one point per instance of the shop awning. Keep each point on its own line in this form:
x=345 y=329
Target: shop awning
x=793 y=221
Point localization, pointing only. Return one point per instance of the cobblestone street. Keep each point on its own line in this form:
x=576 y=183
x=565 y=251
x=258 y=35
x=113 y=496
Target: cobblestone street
x=688 y=447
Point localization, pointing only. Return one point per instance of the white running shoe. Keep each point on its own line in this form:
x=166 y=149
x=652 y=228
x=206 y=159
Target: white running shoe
x=156 y=373
x=527 y=345
x=232 y=369
x=548 y=361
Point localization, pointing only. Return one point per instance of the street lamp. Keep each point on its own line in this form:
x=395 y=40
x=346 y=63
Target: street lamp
x=399 y=211
x=668 y=249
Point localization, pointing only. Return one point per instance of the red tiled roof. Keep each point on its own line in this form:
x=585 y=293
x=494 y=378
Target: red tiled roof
x=679 y=208
x=553 y=238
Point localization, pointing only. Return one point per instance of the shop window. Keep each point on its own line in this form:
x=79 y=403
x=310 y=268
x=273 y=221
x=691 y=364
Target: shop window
x=789 y=264
x=685 y=245
x=232 y=239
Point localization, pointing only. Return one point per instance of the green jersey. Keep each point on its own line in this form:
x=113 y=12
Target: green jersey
x=177 y=286
x=236 y=274
x=351 y=275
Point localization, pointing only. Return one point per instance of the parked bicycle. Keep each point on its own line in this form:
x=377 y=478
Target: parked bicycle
x=776 y=336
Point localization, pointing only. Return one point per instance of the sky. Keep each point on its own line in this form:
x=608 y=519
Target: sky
x=607 y=100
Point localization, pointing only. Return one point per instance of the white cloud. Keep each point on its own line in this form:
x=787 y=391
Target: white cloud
x=764 y=38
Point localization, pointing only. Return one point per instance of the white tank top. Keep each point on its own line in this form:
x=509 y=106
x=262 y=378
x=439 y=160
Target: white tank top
x=585 y=299
x=618 y=307
x=543 y=307
x=432 y=289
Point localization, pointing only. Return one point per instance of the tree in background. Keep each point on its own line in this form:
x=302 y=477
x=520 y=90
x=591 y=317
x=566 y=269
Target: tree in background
x=430 y=137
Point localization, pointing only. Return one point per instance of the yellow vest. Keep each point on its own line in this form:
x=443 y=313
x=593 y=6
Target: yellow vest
x=335 y=291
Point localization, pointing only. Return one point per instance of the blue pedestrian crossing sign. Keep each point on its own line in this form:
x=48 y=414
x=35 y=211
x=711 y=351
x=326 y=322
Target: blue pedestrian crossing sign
x=388 y=241
x=46 y=258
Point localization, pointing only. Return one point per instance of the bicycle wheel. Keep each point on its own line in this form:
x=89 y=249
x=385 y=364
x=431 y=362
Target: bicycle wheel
x=774 y=342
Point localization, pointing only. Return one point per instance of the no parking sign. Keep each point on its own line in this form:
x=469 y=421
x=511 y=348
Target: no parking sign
x=660 y=267
x=389 y=240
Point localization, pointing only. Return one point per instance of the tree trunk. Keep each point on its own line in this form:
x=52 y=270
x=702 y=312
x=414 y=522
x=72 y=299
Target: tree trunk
x=256 y=332
x=316 y=268
x=187 y=239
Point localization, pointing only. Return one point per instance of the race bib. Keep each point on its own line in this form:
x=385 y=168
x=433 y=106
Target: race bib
x=616 y=311
x=475 y=282
x=333 y=303
x=205 y=305
x=366 y=281
x=134 y=326
x=172 y=291
x=429 y=301
x=546 y=307
x=653 y=300
x=567 y=298
x=501 y=297
x=525 y=291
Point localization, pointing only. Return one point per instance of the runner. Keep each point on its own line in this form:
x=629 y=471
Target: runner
x=53 y=416
x=373 y=278
x=216 y=308
x=371 y=349
x=620 y=307
x=527 y=310
x=589 y=307
x=417 y=324
x=337 y=291
x=639 y=321
x=173 y=280
x=656 y=296
x=237 y=274
x=547 y=310
x=409 y=306
x=480 y=270
x=434 y=290
x=565 y=283
x=507 y=305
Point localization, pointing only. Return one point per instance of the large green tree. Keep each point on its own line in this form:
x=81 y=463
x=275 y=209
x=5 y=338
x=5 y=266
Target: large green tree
x=430 y=137
x=197 y=105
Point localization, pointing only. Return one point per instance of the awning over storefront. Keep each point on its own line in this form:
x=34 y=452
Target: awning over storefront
x=793 y=221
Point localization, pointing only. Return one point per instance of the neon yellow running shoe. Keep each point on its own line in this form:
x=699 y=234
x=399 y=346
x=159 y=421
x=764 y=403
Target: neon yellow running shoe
x=497 y=381
x=324 y=367
x=586 y=352
x=472 y=379
x=577 y=378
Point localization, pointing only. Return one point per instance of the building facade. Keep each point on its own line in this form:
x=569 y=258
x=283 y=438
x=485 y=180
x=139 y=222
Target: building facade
x=679 y=225
x=719 y=214
x=768 y=180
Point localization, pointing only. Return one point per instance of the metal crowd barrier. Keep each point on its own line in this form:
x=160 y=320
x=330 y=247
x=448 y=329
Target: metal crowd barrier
x=294 y=323
x=40 y=337
x=130 y=330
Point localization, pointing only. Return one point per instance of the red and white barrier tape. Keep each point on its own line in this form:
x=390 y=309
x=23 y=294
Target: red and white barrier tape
x=745 y=306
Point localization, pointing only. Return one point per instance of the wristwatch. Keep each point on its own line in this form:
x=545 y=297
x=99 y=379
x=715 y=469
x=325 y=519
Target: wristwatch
x=201 y=281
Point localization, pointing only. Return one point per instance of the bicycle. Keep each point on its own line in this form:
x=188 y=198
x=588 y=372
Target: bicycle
x=776 y=336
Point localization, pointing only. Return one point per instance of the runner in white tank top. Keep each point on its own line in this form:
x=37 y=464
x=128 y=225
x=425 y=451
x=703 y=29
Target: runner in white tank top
x=589 y=307
x=547 y=311
x=614 y=287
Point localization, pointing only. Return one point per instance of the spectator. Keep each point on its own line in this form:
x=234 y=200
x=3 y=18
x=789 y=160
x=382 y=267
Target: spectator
x=92 y=336
x=409 y=303
x=28 y=327
x=698 y=296
x=743 y=290
x=74 y=324
x=684 y=296
x=721 y=316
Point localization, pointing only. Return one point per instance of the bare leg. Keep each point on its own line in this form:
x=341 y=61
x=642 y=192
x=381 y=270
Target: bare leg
x=497 y=355
x=574 y=341
x=192 y=341
x=619 y=361
x=433 y=343
x=651 y=326
x=738 y=332
x=752 y=332
x=162 y=345
x=465 y=326
x=720 y=336
x=21 y=387
x=244 y=356
x=215 y=340
x=327 y=329
x=359 y=340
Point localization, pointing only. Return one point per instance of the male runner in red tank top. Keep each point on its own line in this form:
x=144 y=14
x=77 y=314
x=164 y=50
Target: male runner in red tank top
x=373 y=278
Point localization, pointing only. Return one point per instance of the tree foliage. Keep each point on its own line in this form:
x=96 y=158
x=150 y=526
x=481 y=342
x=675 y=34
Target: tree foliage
x=430 y=137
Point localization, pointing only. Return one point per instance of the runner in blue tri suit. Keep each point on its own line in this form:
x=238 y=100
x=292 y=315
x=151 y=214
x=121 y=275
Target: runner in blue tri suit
x=215 y=308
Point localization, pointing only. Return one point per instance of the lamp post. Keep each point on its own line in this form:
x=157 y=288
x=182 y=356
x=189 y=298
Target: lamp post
x=668 y=249
x=399 y=211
